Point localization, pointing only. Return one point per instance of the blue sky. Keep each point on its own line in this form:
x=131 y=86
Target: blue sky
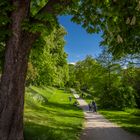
x=79 y=42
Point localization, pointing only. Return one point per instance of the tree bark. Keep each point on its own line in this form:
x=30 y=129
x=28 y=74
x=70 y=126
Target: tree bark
x=13 y=78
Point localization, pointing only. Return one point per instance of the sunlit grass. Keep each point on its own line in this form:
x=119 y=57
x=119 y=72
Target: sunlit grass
x=55 y=119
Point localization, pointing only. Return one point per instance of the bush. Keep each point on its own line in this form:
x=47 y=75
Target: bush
x=118 y=98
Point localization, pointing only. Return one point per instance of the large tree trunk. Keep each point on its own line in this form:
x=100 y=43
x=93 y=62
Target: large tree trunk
x=12 y=93
x=12 y=85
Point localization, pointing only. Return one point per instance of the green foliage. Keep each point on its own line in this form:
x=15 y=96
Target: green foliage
x=118 y=20
x=37 y=5
x=31 y=74
x=83 y=70
x=118 y=97
x=110 y=84
x=131 y=77
x=5 y=8
x=113 y=92
x=57 y=119
x=49 y=59
x=71 y=81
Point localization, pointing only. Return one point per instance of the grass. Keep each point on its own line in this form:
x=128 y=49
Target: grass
x=50 y=116
x=135 y=111
x=128 y=119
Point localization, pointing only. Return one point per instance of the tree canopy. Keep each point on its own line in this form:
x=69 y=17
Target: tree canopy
x=47 y=62
x=119 y=21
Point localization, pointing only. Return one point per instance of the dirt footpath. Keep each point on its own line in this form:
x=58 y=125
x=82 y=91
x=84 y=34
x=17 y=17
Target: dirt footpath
x=99 y=128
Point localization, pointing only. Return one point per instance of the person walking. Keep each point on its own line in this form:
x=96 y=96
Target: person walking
x=94 y=106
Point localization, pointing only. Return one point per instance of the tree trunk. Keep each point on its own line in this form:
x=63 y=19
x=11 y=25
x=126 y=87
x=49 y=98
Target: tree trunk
x=12 y=85
x=12 y=92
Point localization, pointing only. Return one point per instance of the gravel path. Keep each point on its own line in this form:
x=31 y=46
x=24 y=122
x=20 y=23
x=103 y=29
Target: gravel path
x=99 y=128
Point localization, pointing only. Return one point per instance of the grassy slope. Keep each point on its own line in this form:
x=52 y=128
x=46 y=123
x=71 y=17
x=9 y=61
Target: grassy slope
x=126 y=120
x=57 y=119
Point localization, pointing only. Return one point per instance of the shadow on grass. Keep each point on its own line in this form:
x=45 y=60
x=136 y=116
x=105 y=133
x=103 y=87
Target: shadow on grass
x=131 y=124
x=33 y=131
x=32 y=105
x=127 y=121
x=47 y=121
x=55 y=108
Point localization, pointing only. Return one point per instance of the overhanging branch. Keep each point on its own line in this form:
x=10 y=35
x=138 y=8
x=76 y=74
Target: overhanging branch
x=55 y=7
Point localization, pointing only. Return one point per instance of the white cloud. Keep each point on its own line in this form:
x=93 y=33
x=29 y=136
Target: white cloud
x=73 y=63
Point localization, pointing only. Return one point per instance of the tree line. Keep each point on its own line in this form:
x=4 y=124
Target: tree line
x=113 y=85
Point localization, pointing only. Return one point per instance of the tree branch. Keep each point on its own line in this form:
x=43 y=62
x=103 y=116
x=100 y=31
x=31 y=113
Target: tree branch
x=55 y=7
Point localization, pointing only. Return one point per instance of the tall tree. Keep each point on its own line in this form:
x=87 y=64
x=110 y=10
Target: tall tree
x=113 y=92
x=109 y=65
x=71 y=81
x=85 y=71
x=49 y=59
x=25 y=28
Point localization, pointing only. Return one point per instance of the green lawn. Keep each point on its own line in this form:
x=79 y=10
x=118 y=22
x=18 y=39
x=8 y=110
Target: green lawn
x=128 y=119
x=50 y=116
